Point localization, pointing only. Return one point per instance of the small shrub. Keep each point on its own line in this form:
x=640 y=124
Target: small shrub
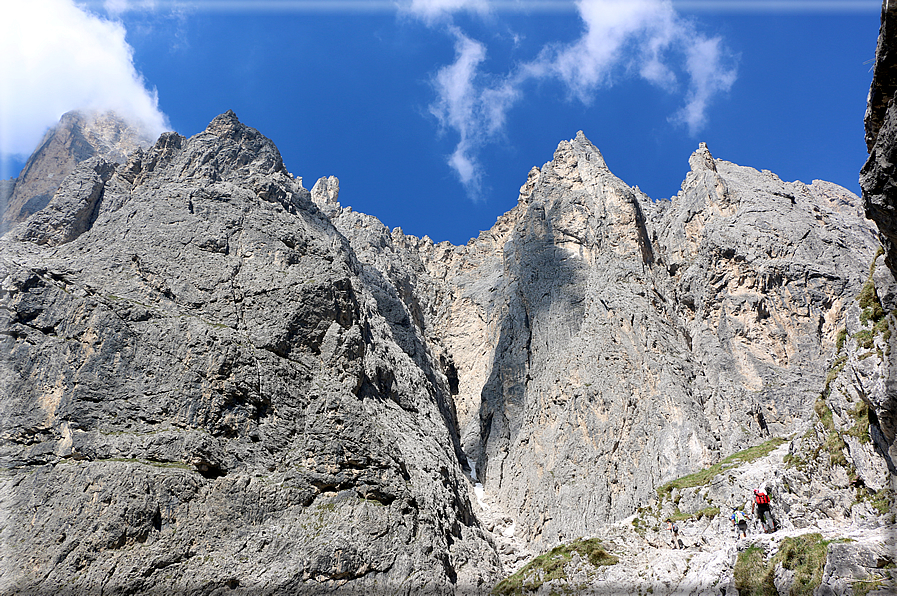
x=839 y=340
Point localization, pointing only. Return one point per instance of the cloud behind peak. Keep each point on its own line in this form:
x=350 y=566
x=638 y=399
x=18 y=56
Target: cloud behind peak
x=619 y=40
x=55 y=57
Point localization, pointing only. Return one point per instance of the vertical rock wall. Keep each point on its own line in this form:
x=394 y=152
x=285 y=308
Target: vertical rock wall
x=206 y=391
x=604 y=343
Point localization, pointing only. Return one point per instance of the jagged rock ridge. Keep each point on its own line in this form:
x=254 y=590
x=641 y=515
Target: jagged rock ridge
x=78 y=136
x=606 y=343
x=253 y=388
x=203 y=393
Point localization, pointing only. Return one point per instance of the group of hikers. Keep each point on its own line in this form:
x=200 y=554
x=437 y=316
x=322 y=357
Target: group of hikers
x=739 y=518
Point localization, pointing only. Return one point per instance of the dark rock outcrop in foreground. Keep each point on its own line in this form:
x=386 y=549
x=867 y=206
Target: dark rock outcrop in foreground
x=878 y=177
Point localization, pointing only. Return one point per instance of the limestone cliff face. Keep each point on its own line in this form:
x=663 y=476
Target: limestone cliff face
x=875 y=385
x=221 y=380
x=604 y=344
x=205 y=390
x=78 y=136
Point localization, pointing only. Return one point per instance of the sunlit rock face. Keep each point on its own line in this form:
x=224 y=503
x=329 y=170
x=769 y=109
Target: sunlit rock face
x=221 y=380
x=204 y=390
x=604 y=343
x=78 y=136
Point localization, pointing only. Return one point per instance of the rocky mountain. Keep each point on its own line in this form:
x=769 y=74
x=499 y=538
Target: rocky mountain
x=78 y=136
x=605 y=344
x=217 y=381
x=203 y=393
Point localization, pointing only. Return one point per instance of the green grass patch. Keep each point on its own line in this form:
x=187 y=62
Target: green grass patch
x=804 y=555
x=860 y=430
x=869 y=302
x=833 y=443
x=878 y=253
x=835 y=446
x=550 y=566
x=751 y=578
x=837 y=366
x=884 y=328
x=881 y=501
x=824 y=413
x=706 y=475
x=861 y=587
x=839 y=340
x=865 y=339
x=795 y=461
x=708 y=512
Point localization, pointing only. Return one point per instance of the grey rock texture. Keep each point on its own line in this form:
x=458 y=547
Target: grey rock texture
x=220 y=381
x=74 y=205
x=204 y=393
x=805 y=500
x=78 y=136
x=874 y=384
x=604 y=344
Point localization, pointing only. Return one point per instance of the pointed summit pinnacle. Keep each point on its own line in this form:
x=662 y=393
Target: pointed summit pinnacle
x=226 y=125
x=701 y=159
x=588 y=150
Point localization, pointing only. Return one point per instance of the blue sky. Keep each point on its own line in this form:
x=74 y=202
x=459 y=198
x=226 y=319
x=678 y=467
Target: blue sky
x=431 y=112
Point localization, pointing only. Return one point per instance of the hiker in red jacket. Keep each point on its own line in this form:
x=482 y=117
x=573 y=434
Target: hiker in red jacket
x=760 y=508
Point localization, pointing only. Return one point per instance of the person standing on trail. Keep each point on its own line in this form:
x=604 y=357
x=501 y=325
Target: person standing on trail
x=760 y=508
x=673 y=527
x=739 y=521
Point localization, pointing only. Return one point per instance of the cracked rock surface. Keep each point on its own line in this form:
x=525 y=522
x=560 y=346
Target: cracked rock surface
x=203 y=393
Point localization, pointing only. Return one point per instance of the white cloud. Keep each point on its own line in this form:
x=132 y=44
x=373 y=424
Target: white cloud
x=432 y=11
x=709 y=76
x=621 y=38
x=54 y=58
x=646 y=37
x=460 y=106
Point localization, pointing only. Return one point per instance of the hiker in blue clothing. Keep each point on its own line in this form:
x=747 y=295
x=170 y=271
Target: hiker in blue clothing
x=739 y=522
x=673 y=527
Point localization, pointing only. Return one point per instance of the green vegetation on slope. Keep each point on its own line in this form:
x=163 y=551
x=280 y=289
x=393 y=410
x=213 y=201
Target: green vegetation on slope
x=550 y=566
x=804 y=555
x=750 y=574
x=708 y=512
x=706 y=475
